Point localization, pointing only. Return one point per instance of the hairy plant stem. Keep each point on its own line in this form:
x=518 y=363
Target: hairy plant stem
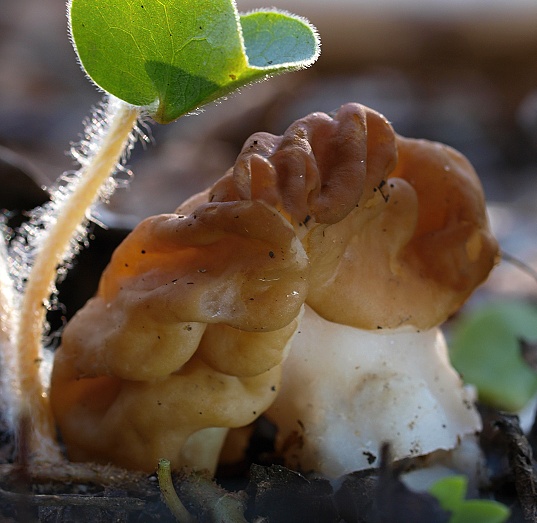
x=51 y=253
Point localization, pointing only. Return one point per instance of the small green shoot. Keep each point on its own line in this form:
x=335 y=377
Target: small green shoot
x=212 y=503
x=169 y=494
x=173 y=56
x=451 y=492
x=486 y=351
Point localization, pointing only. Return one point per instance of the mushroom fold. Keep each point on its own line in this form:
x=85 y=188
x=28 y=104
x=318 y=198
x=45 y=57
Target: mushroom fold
x=395 y=229
x=184 y=339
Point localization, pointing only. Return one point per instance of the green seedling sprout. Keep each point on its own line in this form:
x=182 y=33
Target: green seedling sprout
x=157 y=59
x=171 y=57
x=212 y=503
x=169 y=495
x=451 y=493
x=486 y=349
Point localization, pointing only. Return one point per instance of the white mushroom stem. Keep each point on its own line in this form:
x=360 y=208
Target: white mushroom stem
x=345 y=391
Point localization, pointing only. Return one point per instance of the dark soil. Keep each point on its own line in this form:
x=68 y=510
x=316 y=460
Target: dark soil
x=265 y=492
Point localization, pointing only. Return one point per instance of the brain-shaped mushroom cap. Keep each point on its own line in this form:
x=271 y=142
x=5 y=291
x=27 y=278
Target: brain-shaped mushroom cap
x=317 y=171
x=395 y=229
x=184 y=338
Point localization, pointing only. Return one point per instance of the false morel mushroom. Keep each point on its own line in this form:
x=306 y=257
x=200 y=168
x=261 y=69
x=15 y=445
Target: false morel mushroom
x=335 y=252
x=397 y=237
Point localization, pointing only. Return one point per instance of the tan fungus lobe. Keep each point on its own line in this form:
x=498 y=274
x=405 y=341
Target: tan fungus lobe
x=395 y=229
x=317 y=171
x=184 y=338
x=413 y=253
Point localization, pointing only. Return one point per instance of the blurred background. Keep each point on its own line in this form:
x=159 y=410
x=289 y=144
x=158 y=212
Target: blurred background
x=462 y=72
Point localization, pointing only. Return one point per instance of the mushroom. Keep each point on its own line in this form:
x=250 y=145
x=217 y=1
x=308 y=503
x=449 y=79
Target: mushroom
x=184 y=338
x=383 y=238
x=397 y=237
x=346 y=391
x=318 y=171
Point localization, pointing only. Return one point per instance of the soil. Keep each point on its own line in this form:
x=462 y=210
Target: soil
x=263 y=489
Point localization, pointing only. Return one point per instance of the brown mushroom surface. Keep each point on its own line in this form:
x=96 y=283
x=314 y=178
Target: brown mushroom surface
x=317 y=172
x=413 y=253
x=195 y=314
x=184 y=338
x=395 y=229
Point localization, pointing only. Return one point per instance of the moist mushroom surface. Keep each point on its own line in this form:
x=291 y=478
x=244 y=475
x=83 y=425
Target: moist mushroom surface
x=184 y=338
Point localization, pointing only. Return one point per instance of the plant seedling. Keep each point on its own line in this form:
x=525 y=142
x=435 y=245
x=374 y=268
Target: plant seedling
x=170 y=57
x=451 y=492
x=152 y=58
x=487 y=350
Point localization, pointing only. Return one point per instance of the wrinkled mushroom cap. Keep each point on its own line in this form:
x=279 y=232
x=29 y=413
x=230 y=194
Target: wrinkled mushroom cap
x=317 y=171
x=413 y=253
x=185 y=337
x=395 y=229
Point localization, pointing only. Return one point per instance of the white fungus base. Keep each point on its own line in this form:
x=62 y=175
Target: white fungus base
x=345 y=391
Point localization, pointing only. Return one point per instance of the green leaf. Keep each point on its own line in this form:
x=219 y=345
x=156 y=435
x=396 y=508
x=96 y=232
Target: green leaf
x=173 y=56
x=276 y=40
x=451 y=491
x=480 y=511
x=485 y=350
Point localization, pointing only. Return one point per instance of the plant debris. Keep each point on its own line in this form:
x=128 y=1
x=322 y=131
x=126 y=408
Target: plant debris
x=520 y=457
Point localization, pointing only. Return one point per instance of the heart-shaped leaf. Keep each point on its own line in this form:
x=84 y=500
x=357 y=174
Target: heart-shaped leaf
x=487 y=349
x=173 y=56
